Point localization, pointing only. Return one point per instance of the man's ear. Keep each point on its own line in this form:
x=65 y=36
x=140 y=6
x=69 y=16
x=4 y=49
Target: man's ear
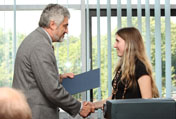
x=52 y=25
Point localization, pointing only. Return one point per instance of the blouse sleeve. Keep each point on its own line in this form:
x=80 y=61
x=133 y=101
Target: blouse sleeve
x=140 y=70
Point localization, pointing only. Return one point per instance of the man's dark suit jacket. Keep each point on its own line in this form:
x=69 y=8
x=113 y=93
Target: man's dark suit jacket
x=36 y=74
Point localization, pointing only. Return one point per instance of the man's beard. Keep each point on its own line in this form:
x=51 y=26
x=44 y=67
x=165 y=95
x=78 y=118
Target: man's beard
x=58 y=39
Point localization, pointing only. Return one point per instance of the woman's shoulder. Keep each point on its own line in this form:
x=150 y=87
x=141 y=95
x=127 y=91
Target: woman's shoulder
x=139 y=64
x=140 y=69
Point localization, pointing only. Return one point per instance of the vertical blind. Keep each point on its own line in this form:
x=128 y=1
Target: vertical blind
x=109 y=47
x=158 y=70
x=168 y=48
x=98 y=45
x=147 y=25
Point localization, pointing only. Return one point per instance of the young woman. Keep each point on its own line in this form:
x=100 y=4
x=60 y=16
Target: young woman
x=133 y=73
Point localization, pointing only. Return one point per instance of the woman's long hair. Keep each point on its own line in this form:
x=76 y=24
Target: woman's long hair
x=134 y=49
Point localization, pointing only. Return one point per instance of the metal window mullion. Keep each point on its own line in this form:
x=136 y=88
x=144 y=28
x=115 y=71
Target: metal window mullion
x=57 y=45
x=98 y=45
x=168 y=48
x=5 y=42
x=14 y=34
x=33 y=7
x=139 y=11
x=68 y=44
x=72 y=6
x=88 y=44
x=147 y=26
x=109 y=47
x=129 y=13
x=83 y=43
x=99 y=51
x=119 y=14
x=158 y=68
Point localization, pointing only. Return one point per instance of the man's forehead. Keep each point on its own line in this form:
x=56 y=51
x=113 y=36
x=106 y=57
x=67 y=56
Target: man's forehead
x=65 y=21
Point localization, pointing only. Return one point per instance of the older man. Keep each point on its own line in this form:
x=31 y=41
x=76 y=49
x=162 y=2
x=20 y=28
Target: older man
x=36 y=72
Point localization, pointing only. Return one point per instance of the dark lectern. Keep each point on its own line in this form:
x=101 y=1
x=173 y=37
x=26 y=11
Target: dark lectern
x=140 y=109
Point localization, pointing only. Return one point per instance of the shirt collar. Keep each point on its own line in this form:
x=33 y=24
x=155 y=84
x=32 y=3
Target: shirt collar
x=47 y=35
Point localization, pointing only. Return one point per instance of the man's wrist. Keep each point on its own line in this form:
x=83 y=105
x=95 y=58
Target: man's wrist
x=60 y=76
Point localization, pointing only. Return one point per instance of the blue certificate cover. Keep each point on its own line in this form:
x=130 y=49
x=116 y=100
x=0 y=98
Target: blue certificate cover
x=82 y=82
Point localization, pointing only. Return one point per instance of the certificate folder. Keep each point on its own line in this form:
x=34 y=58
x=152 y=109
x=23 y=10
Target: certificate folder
x=82 y=82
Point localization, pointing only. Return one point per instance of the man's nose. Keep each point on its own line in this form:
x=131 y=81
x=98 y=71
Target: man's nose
x=66 y=30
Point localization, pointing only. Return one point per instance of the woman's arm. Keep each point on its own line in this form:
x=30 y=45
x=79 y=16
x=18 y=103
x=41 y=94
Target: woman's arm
x=145 y=86
x=99 y=104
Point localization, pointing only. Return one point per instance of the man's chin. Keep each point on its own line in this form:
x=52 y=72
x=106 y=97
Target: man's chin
x=60 y=40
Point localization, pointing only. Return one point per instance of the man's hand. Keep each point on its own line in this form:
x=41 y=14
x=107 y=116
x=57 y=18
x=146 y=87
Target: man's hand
x=65 y=75
x=87 y=108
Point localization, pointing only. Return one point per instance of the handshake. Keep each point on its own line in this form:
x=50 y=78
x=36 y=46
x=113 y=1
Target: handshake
x=87 y=109
x=90 y=107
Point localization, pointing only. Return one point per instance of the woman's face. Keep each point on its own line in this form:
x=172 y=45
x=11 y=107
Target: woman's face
x=119 y=45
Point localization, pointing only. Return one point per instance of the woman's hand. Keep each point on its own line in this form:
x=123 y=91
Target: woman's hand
x=98 y=104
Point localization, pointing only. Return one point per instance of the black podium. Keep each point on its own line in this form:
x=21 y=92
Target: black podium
x=140 y=109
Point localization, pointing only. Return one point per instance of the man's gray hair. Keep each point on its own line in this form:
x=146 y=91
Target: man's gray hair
x=53 y=12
